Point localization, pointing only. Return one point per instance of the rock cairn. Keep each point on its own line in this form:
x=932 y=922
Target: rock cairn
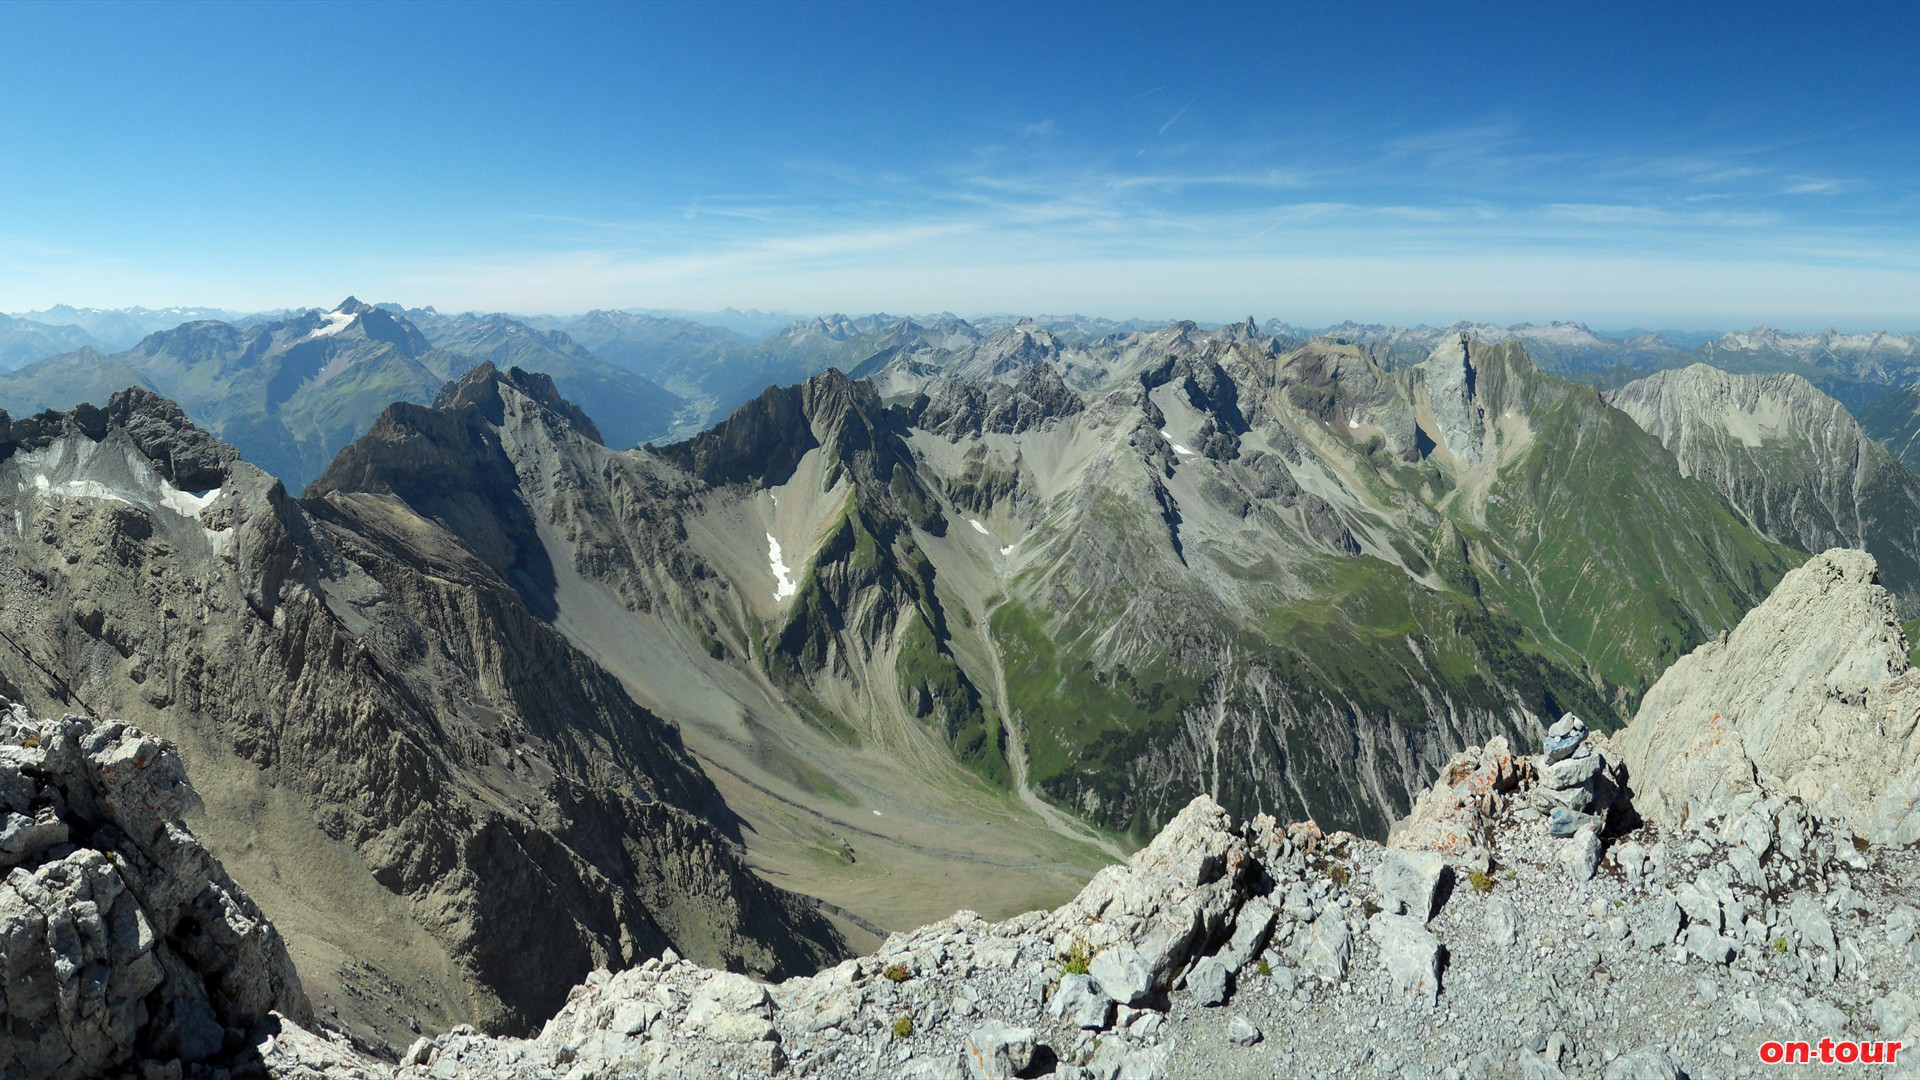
x=1579 y=787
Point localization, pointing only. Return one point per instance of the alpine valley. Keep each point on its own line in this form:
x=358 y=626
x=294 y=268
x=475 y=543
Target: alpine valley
x=475 y=654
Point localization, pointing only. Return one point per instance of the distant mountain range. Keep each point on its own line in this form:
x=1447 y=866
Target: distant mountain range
x=648 y=376
x=290 y=393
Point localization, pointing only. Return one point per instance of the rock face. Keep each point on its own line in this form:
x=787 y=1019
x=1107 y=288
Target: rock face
x=121 y=937
x=1812 y=693
x=451 y=812
x=1791 y=460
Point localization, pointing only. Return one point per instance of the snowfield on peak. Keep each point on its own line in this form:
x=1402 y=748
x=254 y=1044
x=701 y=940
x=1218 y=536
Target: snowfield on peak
x=336 y=322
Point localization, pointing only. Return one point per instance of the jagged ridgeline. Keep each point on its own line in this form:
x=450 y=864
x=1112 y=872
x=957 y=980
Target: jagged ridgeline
x=450 y=810
x=1291 y=579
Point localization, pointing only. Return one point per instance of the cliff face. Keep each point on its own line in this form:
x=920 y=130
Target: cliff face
x=1791 y=460
x=122 y=938
x=451 y=811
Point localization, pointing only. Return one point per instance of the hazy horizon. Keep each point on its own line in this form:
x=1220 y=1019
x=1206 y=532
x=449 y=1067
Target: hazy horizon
x=1633 y=165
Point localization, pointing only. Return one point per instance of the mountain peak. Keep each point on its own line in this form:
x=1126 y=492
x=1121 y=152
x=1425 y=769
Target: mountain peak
x=481 y=388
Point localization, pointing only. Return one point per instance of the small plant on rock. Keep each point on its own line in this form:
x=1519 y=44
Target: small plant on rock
x=902 y=1026
x=1077 y=958
x=1481 y=881
x=1266 y=969
x=1860 y=843
x=1338 y=873
x=30 y=742
x=1780 y=945
x=895 y=973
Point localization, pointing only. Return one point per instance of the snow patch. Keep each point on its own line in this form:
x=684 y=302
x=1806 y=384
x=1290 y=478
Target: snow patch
x=977 y=527
x=783 y=583
x=78 y=489
x=187 y=503
x=1177 y=448
x=1352 y=423
x=336 y=321
x=1008 y=550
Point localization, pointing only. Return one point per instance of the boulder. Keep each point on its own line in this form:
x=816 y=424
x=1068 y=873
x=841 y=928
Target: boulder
x=1329 y=947
x=1174 y=899
x=1208 y=981
x=1409 y=882
x=1410 y=953
x=997 y=1051
x=1122 y=974
x=1081 y=1004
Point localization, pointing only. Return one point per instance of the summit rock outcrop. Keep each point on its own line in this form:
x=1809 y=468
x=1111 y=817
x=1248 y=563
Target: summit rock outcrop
x=122 y=939
x=1812 y=693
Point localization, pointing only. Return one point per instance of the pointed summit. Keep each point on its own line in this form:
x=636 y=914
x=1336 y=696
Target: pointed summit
x=482 y=388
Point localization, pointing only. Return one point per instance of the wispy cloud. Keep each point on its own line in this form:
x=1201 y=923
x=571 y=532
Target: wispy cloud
x=1177 y=114
x=1479 y=219
x=1814 y=187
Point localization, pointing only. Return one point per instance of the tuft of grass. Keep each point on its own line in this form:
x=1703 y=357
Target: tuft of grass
x=1780 y=945
x=1338 y=873
x=1481 y=881
x=1077 y=958
x=902 y=1026
x=30 y=742
x=1266 y=969
x=895 y=973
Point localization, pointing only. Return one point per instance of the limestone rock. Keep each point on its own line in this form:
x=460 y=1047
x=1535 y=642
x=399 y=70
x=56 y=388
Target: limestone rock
x=1208 y=981
x=1410 y=953
x=1329 y=947
x=1122 y=974
x=1078 y=1001
x=1813 y=687
x=121 y=938
x=1409 y=882
x=1173 y=898
x=1581 y=853
x=999 y=1051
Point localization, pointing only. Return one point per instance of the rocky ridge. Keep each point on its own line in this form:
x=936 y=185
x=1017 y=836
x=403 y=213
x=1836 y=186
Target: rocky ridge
x=1527 y=920
x=1486 y=940
x=1257 y=950
x=450 y=812
x=1811 y=695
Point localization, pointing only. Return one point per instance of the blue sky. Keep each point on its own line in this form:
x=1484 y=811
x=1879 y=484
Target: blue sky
x=1665 y=165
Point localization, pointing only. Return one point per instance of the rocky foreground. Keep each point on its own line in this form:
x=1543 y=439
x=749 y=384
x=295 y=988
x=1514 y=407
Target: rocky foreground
x=122 y=940
x=1527 y=920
